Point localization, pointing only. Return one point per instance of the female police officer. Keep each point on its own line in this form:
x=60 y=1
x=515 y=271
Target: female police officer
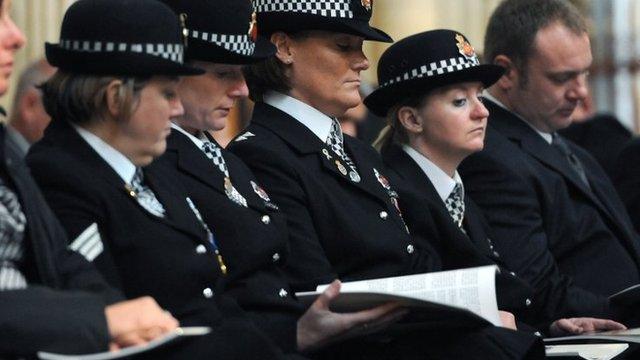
x=112 y=102
x=437 y=119
x=247 y=226
x=342 y=212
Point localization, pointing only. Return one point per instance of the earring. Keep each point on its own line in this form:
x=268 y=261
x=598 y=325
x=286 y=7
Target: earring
x=288 y=61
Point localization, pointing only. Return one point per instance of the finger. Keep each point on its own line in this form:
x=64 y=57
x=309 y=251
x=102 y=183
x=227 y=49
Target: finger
x=370 y=315
x=605 y=324
x=130 y=338
x=568 y=325
x=327 y=296
x=113 y=347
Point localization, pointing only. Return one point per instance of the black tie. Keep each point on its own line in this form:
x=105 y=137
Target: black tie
x=559 y=143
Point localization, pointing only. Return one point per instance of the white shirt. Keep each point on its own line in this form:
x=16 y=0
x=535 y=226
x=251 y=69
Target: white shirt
x=195 y=140
x=319 y=123
x=546 y=136
x=443 y=183
x=120 y=163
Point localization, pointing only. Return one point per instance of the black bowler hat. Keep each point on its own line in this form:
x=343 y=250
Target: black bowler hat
x=425 y=61
x=347 y=16
x=222 y=31
x=120 y=37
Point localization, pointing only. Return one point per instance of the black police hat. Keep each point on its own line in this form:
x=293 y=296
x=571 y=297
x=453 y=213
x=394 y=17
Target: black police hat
x=347 y=16
x=426 y=61
x=221 y=31
x=120 y=37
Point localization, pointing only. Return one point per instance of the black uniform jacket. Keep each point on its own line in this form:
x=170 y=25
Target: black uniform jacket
x=425 y=212
x=338 y=228
x=62 y=309
x=574 y=245
x=144 y=254
x=252 y=239
x=343 y=229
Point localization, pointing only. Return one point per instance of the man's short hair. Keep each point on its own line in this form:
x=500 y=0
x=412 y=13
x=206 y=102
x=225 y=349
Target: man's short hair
x=514 y=25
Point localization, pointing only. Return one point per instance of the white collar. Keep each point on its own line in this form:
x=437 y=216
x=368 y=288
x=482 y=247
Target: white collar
x=120 y=163
x=443 y=183
x=546 y=136
x=195 y=139
x=319 y=123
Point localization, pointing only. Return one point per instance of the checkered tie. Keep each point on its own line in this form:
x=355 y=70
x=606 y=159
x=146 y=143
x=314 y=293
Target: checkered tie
x=145 y=196
x=455 y=205
x=213 y=152
x=335 y=142
x=12 y=228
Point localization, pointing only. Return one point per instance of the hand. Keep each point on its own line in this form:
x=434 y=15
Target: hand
x=137 y=321
x=319 y=325
x=576 y=326
x=508 y=320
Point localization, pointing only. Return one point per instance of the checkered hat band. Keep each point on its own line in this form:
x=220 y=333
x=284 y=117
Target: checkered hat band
x=327 y=8
x=172 y=52
x=239 y=44
x=435 y=68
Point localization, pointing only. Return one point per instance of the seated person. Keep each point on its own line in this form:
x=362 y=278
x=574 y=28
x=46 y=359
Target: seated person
x=436 y=119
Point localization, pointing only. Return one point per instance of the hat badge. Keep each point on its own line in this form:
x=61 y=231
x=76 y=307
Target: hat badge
x=366 y=4
x=183 y=25
x=253 y=27
x=464 y=47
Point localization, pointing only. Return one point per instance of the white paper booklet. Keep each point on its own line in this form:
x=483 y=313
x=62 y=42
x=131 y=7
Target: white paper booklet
x=132 y=350
x=628 y=336
x=587 y=351
x=472 y=289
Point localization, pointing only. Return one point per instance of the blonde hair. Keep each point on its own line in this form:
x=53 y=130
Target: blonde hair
x=394 y=132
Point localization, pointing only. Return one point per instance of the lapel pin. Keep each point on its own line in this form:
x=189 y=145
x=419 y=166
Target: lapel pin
x=354 y=176
x=326 y=153
x=341 y=168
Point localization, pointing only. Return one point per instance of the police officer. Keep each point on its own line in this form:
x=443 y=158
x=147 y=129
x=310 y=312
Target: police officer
x=238 y=213
x=342 y=211
x=112 y=102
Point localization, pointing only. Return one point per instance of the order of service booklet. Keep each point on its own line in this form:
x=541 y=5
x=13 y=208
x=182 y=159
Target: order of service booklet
x=627 y=336
x=171 y=336
x=455 y=297
x=587 y=351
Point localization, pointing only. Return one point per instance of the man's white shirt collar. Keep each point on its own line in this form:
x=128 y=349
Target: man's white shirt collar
x=546 y=136
x=120 y=163
x=443 y=183
x=319 y=123
x=195 y=139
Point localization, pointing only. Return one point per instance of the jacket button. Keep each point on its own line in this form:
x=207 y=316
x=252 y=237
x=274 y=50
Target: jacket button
x=383 y=215
x=410 y=249
x=265 y=219
x=512 y=273
x=283 y=293
x=201 y=249
x=527 y=302
x=537 y=333
x=208 y=293
x=495 y=253
x=276 y=257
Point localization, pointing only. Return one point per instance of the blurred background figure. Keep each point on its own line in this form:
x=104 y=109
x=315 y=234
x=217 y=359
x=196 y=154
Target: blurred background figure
x=359 y=122
x=600 y=133
x=27 y=118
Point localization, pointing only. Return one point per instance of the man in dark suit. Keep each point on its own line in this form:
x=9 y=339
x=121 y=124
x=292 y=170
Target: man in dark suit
x=557 y=220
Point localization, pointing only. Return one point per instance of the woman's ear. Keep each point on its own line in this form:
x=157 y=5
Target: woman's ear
x=409 y=119
x=283 y=44
x=114 y=98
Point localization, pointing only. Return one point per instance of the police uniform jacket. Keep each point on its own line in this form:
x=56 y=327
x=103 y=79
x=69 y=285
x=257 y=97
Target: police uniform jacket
x=338 y=228
x=570 y=242
x=143 y=254
x=352 y=230
x=425 y=212
x=62 y=309
x=252 y=239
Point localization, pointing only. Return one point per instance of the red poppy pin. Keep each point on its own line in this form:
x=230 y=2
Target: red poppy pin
x=253 y=27
x=366 y=4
